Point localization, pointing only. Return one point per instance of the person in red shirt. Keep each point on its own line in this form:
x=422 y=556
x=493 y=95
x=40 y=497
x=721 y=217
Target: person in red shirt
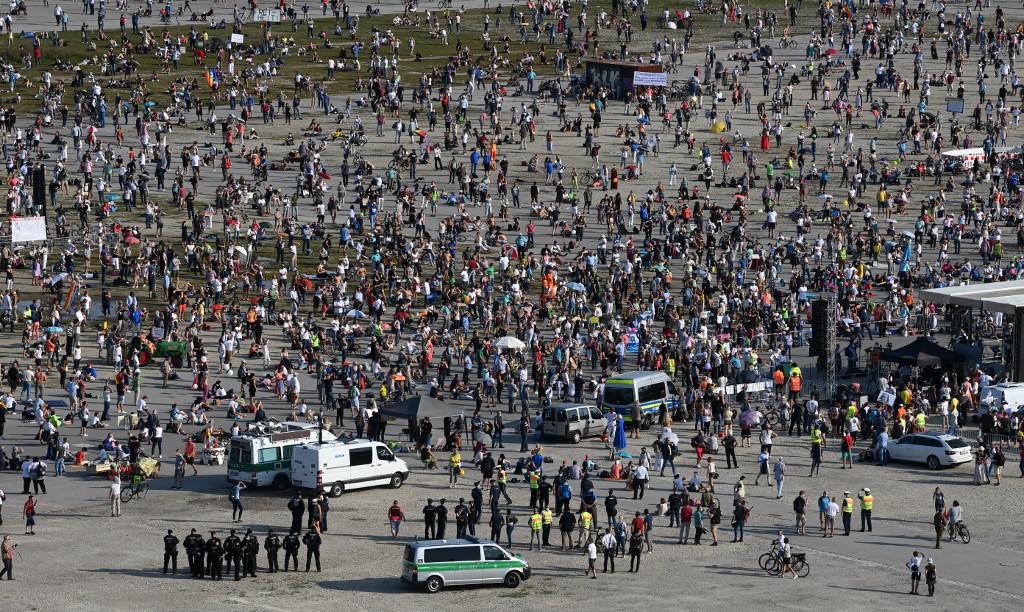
x=395 y=518
x=638 y=524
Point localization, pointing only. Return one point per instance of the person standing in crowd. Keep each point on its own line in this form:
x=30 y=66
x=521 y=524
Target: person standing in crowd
x=915 y=564
x=591 y=552
x=171 y=551
x=930 y=576
x=115 y=495
x=297 y=509
x=939 y=522
x=867 y=503
x=779 y=470
x=312 y=541
x=272 y=544
x=214 y=556
x=250 y=548
x=800 y=510
x=194 y=551
x=609 y=544
x=291 y=550
x=636 y=548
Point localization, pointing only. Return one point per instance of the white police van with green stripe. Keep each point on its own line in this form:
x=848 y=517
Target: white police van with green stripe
x=265 y=460
x=650 y=388
x=435 y=564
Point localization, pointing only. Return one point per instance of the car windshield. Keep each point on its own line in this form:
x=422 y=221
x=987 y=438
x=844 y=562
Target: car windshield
x=957 y=443
x=619 y=396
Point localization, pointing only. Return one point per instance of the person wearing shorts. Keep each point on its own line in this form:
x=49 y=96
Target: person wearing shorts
x=591 y=558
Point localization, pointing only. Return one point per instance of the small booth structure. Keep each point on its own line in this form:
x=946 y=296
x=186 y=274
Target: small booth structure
x=620 y=77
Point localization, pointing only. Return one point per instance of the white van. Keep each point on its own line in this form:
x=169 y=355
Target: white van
x=341 y=466
x=650 y=388
x=1008 y=396
x=572 y=422
x=266 y=460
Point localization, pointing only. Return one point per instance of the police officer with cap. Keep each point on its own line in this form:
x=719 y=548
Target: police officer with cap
x=214 y=556
x=250 y=548
x=442 y=518
x=312 y=542
x=233 y=548
x=298 y=509
x=194 y=549
x=291 y=549
x=171 y=551
x=271 y=544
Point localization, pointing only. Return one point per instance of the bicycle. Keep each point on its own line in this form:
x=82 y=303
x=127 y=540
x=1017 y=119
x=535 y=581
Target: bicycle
x=788 y=43
x=444 y=4
x=134 y=490
x=960 y=531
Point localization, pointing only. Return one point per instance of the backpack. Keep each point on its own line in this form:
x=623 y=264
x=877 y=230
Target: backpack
x=39 y=471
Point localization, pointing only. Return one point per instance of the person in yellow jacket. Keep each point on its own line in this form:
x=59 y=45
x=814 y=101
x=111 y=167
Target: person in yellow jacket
x=586 y=522
x=847 y=512
x=454 y=468
x=536 y=525
x=548 y=517
x=867 y=504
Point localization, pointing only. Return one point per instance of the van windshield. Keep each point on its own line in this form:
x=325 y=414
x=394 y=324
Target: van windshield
x=619 y=396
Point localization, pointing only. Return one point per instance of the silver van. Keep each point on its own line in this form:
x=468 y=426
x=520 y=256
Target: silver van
x=435 y=564
x=572 y=422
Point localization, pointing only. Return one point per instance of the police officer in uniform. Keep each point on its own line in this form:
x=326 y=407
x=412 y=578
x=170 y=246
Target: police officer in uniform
x=171 y=551
x=461 y=518
x=298 y=509
x=271 y=544
x=312 y=542
x=291 y=549
x=233 y=550
x=194 y=550
x=442 y=518
x=250 y=548
x=430 y=521
x=214 y=555
x=548 y=517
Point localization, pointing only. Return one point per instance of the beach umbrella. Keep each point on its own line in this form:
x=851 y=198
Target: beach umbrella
x=131 y=240
x=58 y=277
x=150 y=104
x=241 y=250
x=748 y=418
x=54 y=330
x=510 y=342
x=398 y=377
x=575 y=286
x=358 y=314
x=266 y=224
x=112 y=197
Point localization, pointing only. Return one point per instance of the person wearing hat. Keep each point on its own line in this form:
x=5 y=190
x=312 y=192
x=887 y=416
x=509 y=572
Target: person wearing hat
x=867 y=503
x=214 y=555
x=171 y=551
x=930 y=576
x=847 y=512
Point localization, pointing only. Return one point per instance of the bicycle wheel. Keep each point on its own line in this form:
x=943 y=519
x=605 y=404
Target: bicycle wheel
x=802 y=568
x=143 y=489
x=964 y=534
x=774 y=566
x=126 y=495
x=762 y=561
x=772 y=417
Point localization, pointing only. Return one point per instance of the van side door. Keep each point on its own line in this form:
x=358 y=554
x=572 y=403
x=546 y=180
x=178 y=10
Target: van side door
x=361 y=470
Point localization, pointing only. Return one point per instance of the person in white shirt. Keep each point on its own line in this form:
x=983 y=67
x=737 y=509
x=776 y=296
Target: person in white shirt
x=956 y=514
x=591 y=558
x=830 y=518
x=115 y=495
x=640 y=477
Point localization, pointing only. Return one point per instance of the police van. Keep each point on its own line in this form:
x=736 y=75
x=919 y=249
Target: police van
x=266 y=459
x=650 y=388
x=340 y=466
x=435 y=564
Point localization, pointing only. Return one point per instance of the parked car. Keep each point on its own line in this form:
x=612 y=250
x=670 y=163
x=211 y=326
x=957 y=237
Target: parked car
x=933 y=449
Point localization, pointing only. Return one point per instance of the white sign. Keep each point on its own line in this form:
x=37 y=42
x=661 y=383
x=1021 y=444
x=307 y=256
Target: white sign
x=28 y=229
x=237 y=39
x=271 y=15
x=658 y=79
x=886 y=397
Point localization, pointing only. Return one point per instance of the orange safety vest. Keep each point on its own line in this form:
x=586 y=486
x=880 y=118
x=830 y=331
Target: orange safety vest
x=794 y=383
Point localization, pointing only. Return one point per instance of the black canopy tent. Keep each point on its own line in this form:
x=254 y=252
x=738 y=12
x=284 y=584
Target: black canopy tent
x=923 y=352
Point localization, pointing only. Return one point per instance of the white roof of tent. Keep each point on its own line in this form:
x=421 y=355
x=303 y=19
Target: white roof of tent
x=1003 y=297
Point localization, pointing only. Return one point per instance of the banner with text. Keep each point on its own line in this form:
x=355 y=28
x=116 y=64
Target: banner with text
x=645 y=79
x=28 y=229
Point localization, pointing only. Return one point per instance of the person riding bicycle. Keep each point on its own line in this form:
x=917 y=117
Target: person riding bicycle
x=956 y=517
